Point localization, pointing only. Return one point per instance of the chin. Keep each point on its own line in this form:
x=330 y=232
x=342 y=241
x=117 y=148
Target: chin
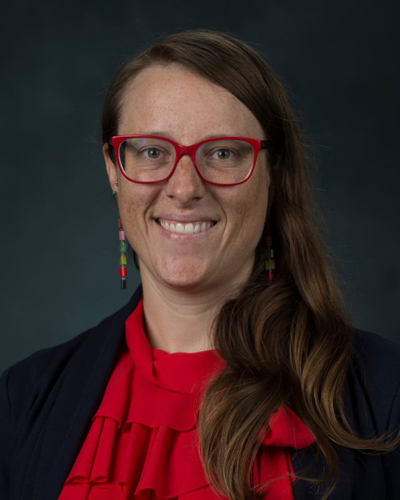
x=185 y=276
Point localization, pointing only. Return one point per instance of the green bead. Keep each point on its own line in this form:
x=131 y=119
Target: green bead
x=269 y=253
x=123 y=246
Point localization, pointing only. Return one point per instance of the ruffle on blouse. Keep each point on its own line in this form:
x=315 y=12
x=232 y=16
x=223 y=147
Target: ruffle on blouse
x=143 y=441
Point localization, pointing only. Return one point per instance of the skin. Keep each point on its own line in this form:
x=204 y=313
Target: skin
x=187 y=278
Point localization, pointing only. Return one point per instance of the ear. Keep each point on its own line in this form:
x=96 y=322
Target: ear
x=112 y=170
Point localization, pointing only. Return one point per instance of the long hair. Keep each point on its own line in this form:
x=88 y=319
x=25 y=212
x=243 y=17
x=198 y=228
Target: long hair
x=289 y=343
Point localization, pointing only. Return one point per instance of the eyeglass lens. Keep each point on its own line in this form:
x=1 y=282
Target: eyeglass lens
x=146 y=159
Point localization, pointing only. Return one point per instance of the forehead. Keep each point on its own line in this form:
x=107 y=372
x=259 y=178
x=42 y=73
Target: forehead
x=173 y=100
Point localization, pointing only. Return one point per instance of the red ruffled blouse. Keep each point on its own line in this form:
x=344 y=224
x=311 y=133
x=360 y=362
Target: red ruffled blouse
x=143 y=441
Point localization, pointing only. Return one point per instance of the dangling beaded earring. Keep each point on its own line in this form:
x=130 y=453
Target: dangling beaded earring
x=269 y=255
x=123 y=247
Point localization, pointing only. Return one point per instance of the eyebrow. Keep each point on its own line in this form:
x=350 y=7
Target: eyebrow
x=210 y=136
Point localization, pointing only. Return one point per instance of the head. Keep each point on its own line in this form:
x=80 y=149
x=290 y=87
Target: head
x=189 y=86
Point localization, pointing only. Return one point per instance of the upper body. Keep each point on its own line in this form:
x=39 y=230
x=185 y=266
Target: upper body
x=209 y=173
x=47 y=401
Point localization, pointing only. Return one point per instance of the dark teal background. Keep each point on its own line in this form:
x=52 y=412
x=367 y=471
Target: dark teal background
x=59 y=251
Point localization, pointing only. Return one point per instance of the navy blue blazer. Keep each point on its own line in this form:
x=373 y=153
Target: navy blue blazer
x=48 y=399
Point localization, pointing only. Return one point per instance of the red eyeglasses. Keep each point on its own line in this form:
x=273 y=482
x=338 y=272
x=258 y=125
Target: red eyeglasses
x=221 y=161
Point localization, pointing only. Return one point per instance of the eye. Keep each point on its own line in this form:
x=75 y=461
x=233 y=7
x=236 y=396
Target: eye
x=153 y=153
x=224 y=154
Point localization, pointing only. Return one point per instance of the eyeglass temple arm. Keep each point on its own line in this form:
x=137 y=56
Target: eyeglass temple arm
x=266 y=144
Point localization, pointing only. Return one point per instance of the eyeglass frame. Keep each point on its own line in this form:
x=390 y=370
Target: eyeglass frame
x=257 y=145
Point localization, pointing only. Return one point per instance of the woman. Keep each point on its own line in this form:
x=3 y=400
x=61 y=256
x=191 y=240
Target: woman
x=222 y=376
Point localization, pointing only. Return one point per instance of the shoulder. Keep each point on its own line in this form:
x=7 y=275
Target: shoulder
x=52 y=359
x=374 y=381
x=376 y=360
x=376 y=354
x=44 y=369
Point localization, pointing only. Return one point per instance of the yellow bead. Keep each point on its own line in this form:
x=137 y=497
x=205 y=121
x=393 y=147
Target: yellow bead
x=122 y=260
x=269 y=265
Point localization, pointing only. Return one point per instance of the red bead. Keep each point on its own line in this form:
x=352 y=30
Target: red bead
x=119 y=224
x=270 y=276
x=123 y=272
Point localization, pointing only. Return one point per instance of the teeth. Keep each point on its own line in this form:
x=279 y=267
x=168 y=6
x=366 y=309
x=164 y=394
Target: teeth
x=188 y=228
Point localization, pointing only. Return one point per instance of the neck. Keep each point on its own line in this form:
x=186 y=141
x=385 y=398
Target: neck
x=178 y=321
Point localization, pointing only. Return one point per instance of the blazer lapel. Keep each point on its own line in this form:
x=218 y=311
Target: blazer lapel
x=303 y=490
x=80 y=394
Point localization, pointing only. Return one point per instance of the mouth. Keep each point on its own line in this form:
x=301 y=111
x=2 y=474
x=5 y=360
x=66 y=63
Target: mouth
x=185 y=227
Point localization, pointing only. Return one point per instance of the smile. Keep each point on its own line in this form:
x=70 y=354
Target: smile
x=186 y=227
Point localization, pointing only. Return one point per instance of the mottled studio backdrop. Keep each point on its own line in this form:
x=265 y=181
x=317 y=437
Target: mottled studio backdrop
x=59 y=242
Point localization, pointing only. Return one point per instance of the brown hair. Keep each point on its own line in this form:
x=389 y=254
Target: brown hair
x=289 y=343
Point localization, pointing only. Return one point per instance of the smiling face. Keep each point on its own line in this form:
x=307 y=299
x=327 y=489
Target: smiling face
x=190 y=235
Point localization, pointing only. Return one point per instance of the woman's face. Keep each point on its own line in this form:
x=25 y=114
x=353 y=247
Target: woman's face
x=173 y=102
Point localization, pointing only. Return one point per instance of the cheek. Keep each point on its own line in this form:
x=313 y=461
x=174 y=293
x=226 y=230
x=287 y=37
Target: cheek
x=254 y=209
x=246 y=219
x=133 y=204
x=251 y=205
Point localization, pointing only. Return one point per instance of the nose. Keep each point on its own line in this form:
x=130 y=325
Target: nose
x=185 y=185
